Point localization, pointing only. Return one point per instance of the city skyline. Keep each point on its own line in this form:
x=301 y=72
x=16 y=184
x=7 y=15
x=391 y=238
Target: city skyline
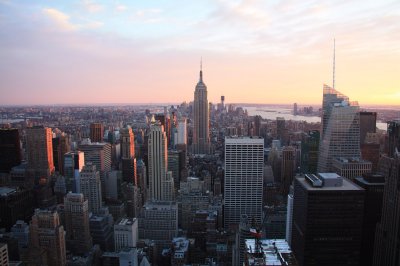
x=97 y=52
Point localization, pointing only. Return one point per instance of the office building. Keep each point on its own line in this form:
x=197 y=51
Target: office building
x=367 y=124
x=47 y=234
x=373 y=185
x=15 y=204
x=141 y=174
x=340 y=129
x=393 y=131
x=387 y=242
x=174 y=166
x=20 y=231
x=101 y=229
x=90 y=187
x=275 y=221
x=161 y=182
x=309 y=152
x=4 y=254
x=127 y=142
x=39 y=149
x=281 y=129
x=182 y=132
x=126 y=233
x=288 y=168
x=128 y=155
x=10 y=149
x=98 y=154
x=243 y=182
x=328 y=213
x=96 y=132
x=61 y=145
x=201 y=133
x=76 y=216
x=180 y=251
x=289 y=217
x=73 y=164
x=371 y=152
x=159 y=222
x=351 y=167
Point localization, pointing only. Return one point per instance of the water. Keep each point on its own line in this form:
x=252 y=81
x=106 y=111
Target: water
x=272 y=112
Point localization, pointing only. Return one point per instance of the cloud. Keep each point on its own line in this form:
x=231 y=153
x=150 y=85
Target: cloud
x=121 y=8
x=61 y=19
x=91 y=6
x=147 y=16
x=147 y=12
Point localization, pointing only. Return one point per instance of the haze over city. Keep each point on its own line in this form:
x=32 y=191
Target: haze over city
x=71 y=52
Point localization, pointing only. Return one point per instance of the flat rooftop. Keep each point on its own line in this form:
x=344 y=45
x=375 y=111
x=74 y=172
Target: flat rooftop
x=346 y=186
x=6 y=191
x=275 y=252
x=351 y=160
x=244 y=140
x=126 y=221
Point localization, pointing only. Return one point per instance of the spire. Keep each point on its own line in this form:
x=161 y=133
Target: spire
x=201 y=69
x=334 y=48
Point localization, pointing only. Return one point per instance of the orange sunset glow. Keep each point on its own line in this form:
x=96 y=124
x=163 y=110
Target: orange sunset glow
x=253 y=51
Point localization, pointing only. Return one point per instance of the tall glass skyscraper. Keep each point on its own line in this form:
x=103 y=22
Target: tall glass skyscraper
x=340 y=129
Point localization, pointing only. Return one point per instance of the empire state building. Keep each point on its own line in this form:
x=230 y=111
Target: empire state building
x=201 y=134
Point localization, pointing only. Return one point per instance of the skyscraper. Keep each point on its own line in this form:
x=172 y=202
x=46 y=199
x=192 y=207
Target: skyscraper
x=90 y=187
x=367 y=124
x=160 y=181
x=373 y=185
x=128 y=155
x=10 y=149
x=201 y=134
x=126 y=233
x=281 y=131
x=309 y=152
x=244 y=164
x=340 y=129
x=47 y=234
x=328 y=213
x=73 y=164
x=39 y=149
x=76 y=211
x=394 y=138
x=98 y=154
x=387 y=241
x=288 y=168
x=61 y=145
x=182 y=132
x=96 y=132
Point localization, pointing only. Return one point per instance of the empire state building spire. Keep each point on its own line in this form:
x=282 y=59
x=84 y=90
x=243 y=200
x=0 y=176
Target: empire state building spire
x=201 y=134
x=201 y=71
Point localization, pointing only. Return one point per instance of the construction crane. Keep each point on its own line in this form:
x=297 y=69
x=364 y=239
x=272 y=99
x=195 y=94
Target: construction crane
x=256 y=231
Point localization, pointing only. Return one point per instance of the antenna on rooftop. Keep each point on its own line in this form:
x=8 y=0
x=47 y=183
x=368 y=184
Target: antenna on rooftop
x=334 y=57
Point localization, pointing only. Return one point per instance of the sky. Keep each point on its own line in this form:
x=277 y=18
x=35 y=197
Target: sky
x=267 y=51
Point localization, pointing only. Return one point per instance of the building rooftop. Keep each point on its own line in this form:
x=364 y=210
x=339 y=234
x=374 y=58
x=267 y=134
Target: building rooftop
x=126 y=221
x=329 y=181
x=181 y=246
x=273 y=252
x=351 y=160
x=243 y=139
x=6 y=191
x=160 y=205
x=371 y=179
